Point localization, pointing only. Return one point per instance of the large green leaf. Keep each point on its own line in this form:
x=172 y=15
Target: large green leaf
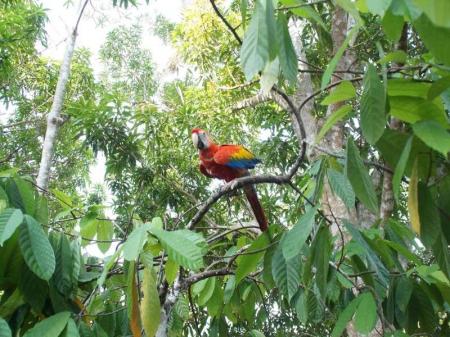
x=5 y=331
x=373 y=106
x=407 y=87
x=286 y=54
x=342 y=92
x=105 y=232
x=438 y=87
x=150 y=307
x=294 y=240
x=21 y=195
x=252 y=256
x=400 y=168
x=372 y=257
x=393 y=26
x=326 y=77
x=436 y=10
x=341 y=187
x=378 y=7
x=36 y=249
x=322 y=254
x=436 y=39
x=360 y=178
x=182 y=249
x=286 y=273
x=413 y=109
x=366 y=314
x=10 y=219
x=335 y=117
x=434 y=135
x=71 y=329
x=49 y=327
x=344 y=317
x=205 y=295
x=260 y=44
x=63 y=275
x=135 y=242
x=430 y=222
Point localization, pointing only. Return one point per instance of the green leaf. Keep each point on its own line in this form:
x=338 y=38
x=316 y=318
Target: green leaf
x=135 y=242
x=434 y=135
x=71 y=329
x=400 y=168
x=229 y=289
x=171 y=270
x=342 y=92
x=255 y=333
x=337 y=116
x=403 y=293
x=294 y=240
x=344 y=317
x=5 y=331
x=88 y=226
x=436 y=39
x=378 y=7
x=393 y=26
x=372 y=257
x=21 y=195
x=334 y=61
x=286 y=53
x=10 y=219
x=36 y=249
x=49 y=327
x=398 y=56
x=150 y=306
x=269 y=75
x=181 y=307
x=286 y=273
x=413 y=199
x=373 y=106
x=108 y=265
x=413 y=109
x=407 y=87
x=4 y=201
x=438 y=87
x=63 y=275
x=260 y=43
x=105 y=232
x=247 y=262
x=207 y=291
x=307 y=12
x=180 y=248
x=430 y=221
x=243 y=7
x=322 y=254
x=341 y=187
x=366 y=313
x=436 y=10
x=359 y=178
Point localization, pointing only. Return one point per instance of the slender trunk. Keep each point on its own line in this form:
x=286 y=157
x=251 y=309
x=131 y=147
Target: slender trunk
x=54 y=119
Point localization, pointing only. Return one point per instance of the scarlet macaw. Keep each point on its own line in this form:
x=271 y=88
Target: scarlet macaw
x=228 y=162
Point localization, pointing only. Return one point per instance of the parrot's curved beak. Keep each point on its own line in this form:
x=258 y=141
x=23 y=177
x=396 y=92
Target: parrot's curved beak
x=200 y=140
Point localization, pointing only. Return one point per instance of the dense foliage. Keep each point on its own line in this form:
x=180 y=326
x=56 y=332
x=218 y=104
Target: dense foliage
x=357 y=197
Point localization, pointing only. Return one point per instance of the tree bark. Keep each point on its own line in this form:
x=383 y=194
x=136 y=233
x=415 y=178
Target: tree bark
x=54 y=119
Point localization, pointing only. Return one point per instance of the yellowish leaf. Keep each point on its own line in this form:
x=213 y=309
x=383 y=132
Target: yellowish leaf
x=133 y=301
x=413 y=202
x=150 y=307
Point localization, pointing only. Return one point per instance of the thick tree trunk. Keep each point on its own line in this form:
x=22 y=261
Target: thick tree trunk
x=54 y=119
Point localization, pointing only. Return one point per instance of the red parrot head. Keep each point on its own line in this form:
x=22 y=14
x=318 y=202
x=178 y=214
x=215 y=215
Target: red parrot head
x=200 y=139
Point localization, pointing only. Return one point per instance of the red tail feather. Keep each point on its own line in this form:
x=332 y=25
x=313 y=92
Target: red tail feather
x=250 y=192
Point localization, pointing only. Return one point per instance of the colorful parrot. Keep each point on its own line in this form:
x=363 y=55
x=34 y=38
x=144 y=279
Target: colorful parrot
x=228 y=162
